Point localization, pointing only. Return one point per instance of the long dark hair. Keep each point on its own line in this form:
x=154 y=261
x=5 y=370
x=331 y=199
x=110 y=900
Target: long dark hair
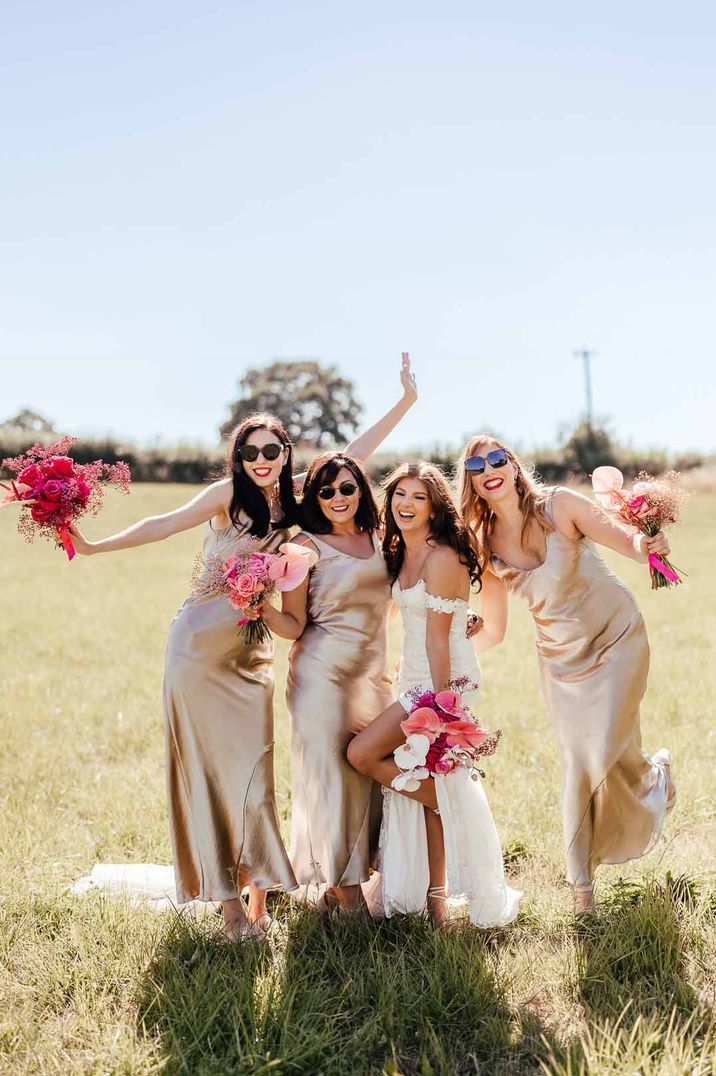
x=322 y=472
x=246 y=495
x=446 y=527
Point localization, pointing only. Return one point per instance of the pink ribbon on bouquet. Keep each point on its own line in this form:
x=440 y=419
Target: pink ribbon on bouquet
x=658 y=565
x=66 y=539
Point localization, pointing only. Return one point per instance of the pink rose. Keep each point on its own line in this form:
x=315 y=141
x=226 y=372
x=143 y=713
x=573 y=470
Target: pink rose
x=445 y=765
x=83 y=490
x=29 y=475
x=258 y=564
x=52 y=490
x=60 y=467
x=246 y=585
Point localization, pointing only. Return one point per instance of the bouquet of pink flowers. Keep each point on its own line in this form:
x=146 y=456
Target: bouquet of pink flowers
x=653 y=504
x=441 y=733
x=249 y=580
x=57 y=490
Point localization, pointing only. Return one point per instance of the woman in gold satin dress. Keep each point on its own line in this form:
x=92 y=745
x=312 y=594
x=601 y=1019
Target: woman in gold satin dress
x=537 y=542
x=218 y=690
x=337 y=682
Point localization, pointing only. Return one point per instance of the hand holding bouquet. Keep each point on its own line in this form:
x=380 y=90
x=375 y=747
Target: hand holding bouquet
x=57 y=490
x=441 y=734
x=653 y=504
x=249 y=580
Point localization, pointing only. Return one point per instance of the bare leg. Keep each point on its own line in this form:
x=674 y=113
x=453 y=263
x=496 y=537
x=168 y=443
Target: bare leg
x=348 y=896
x=257 y=903
x=371 y=753
x=437 y=908
x=236 y=921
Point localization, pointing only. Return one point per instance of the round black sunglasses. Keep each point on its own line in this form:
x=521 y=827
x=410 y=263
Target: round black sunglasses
x=271 y=451
x=346 y=489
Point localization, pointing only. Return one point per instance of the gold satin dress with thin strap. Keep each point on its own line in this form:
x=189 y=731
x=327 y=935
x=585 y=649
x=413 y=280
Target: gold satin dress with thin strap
x=337 y=683
x=593 y=657
x=218 y=703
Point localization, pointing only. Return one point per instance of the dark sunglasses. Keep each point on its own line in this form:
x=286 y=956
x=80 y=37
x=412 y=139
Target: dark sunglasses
x=347 y=489
x=251 y=453
x=476 y=464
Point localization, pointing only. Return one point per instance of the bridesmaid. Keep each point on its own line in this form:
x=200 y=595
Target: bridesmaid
x=593 y=652
x=218 y=690
x=337 y=680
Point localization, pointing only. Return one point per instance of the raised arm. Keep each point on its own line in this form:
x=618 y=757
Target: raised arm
x=493 y=610
x=366 y=443
x=577 y=516
x=445 y=577
x=210 y=502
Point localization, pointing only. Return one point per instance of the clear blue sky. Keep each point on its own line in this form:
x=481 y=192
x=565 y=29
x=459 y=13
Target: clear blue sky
x=191 y=188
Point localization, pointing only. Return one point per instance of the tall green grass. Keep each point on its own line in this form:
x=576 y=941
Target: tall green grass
x=93 y=985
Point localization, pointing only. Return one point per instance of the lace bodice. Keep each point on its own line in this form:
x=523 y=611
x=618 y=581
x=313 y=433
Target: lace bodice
x=414 y=666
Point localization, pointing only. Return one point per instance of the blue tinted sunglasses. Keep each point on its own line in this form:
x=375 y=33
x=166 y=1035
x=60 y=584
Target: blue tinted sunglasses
x=476 y=464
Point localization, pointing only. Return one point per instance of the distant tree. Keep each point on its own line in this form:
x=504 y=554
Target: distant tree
x=313 y=402
x=589 y=446
x=28 y=422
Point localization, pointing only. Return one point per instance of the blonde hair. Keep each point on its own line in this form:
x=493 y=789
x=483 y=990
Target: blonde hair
x=476 y=513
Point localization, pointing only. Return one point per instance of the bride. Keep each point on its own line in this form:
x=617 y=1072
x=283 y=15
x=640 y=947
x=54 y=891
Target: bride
x=439 y=839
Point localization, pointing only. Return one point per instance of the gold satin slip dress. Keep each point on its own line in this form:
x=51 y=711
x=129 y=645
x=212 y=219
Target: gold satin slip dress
x=593 y=657
x=218 y=703
x=337 y=683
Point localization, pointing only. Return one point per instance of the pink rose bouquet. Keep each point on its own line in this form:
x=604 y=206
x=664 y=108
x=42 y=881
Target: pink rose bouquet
x=249 y=580
x=441 y=734
x=57 y=490
x=653 y=504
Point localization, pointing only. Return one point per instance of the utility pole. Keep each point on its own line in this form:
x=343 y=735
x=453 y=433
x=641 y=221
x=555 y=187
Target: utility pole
x=585 y=354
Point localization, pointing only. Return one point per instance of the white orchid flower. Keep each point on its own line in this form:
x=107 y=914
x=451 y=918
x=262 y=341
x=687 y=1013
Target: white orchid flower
x=409 y=781
x=413 y=752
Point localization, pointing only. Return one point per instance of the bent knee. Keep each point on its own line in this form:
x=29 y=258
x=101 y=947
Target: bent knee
x=357 y=755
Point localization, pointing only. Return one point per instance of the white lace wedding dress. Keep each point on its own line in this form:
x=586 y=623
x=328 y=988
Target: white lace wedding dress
x=475 y=870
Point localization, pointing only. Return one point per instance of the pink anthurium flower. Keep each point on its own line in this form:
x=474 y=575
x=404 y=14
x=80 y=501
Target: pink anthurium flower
x=465 y=734
x=424 y=721
x=289 y=570
x=449 y=701
x=608 y=483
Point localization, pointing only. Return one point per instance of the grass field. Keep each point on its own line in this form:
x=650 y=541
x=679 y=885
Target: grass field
x=92 y=985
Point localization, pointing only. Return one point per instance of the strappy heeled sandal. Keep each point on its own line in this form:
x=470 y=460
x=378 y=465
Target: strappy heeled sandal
x=584 y=899
x=437 y=893
x=239 y=931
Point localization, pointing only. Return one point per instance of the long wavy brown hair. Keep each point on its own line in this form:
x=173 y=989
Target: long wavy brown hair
x=477 y=515
x=246 y=495
x=446 y=527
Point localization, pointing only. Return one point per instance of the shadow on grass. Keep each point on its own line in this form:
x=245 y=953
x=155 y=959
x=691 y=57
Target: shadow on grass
x=342 y=998
x=634 y=951
x=631 y=981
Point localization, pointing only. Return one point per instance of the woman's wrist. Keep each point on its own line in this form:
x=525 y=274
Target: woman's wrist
x=638 y=543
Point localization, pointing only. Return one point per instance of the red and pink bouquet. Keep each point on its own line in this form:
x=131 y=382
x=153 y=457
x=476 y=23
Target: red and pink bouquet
x=57 y=490
x=249 y=580
x=441 y=733
x=653 y=504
